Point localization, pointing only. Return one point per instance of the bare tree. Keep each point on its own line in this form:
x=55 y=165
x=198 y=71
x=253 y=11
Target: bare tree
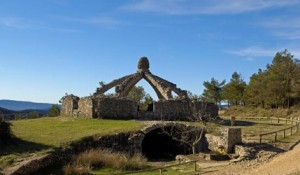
x=192 y=132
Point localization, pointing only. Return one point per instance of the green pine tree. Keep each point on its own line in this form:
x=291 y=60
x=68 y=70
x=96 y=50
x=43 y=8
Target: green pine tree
x=54 y=111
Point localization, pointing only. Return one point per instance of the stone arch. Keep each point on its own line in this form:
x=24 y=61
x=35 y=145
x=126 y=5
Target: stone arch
x=155 y=144
x=162 y=88
x=159 y=145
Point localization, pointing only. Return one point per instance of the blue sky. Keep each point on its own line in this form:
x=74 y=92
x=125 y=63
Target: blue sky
x=52 y=47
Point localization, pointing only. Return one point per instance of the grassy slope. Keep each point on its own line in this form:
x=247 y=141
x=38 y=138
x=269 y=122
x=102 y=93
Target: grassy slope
x=58 y=131
x=38 y=136
x=246 y=111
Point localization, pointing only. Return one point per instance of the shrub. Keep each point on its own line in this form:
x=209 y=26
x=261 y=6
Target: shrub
x=6 y=135
x=54 y=111
x=99 y=158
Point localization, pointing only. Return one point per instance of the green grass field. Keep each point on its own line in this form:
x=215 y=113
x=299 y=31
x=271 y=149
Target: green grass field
x=59 y=131
x=38 y=136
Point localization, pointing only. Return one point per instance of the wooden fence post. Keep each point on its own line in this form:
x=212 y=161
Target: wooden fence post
x=160 y=171
x=278 y=120
x=283 y=133
x=260 y=138
x=275 y=136
x=195 y=166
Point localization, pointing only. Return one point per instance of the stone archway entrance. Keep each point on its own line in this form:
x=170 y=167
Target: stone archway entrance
x=158 y=145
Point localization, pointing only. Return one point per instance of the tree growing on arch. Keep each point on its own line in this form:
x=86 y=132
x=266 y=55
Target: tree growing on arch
x=193 y=133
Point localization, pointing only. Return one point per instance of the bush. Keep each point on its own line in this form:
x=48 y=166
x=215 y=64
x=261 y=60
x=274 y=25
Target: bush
x=6 y=135
x=99 y=158
x=54 y=111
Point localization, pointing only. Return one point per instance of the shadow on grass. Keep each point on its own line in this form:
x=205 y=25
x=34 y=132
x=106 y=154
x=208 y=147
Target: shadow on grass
x=55 y=169
x=20 y=146
x=226 y=122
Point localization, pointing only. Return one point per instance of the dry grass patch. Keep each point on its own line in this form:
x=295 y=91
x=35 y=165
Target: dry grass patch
x=105 y=158
x=248 y=111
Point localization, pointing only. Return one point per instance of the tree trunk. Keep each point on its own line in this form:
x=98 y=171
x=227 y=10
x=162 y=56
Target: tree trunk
x=194 y=149
x=196 y=141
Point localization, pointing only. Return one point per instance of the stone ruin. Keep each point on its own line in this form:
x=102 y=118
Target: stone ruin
x=119 y=106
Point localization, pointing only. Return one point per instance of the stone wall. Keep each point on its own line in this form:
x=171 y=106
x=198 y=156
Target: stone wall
x=114 y=108
x=172 y=109
x=123 y=108
x=86 y=107
x=206 y=110
x=69 y=104
x=184 y=109
x=226 y=142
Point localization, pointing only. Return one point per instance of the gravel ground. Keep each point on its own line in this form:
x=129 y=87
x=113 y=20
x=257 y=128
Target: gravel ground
x=266 y=160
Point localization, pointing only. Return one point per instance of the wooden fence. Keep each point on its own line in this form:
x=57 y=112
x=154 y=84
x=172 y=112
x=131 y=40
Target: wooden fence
x=161 y=169
x=294 y=123
x=281 y=130
x=291 y=121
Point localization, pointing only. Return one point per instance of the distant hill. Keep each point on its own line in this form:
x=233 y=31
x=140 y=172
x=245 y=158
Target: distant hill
x=24 y=105
x=5 y=111
x=23 y=114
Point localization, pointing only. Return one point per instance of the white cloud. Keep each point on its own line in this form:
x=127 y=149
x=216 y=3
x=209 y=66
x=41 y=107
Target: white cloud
x=22 y=23
x=288 y=34
x=287 y=22
x=254 y=52
x=285 y=28
x=182 y=7
x=65 y=30
x=17 y=22
x=94 y=20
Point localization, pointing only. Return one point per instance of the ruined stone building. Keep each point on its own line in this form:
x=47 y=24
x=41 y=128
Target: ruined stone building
x=99 y=105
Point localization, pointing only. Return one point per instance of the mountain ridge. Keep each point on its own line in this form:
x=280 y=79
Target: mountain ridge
x=16 y=105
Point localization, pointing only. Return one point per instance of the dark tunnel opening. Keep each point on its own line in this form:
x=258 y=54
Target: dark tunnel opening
x=158 y=145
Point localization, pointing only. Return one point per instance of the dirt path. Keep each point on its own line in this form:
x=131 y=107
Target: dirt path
x=267 y=162
x=286 y=163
